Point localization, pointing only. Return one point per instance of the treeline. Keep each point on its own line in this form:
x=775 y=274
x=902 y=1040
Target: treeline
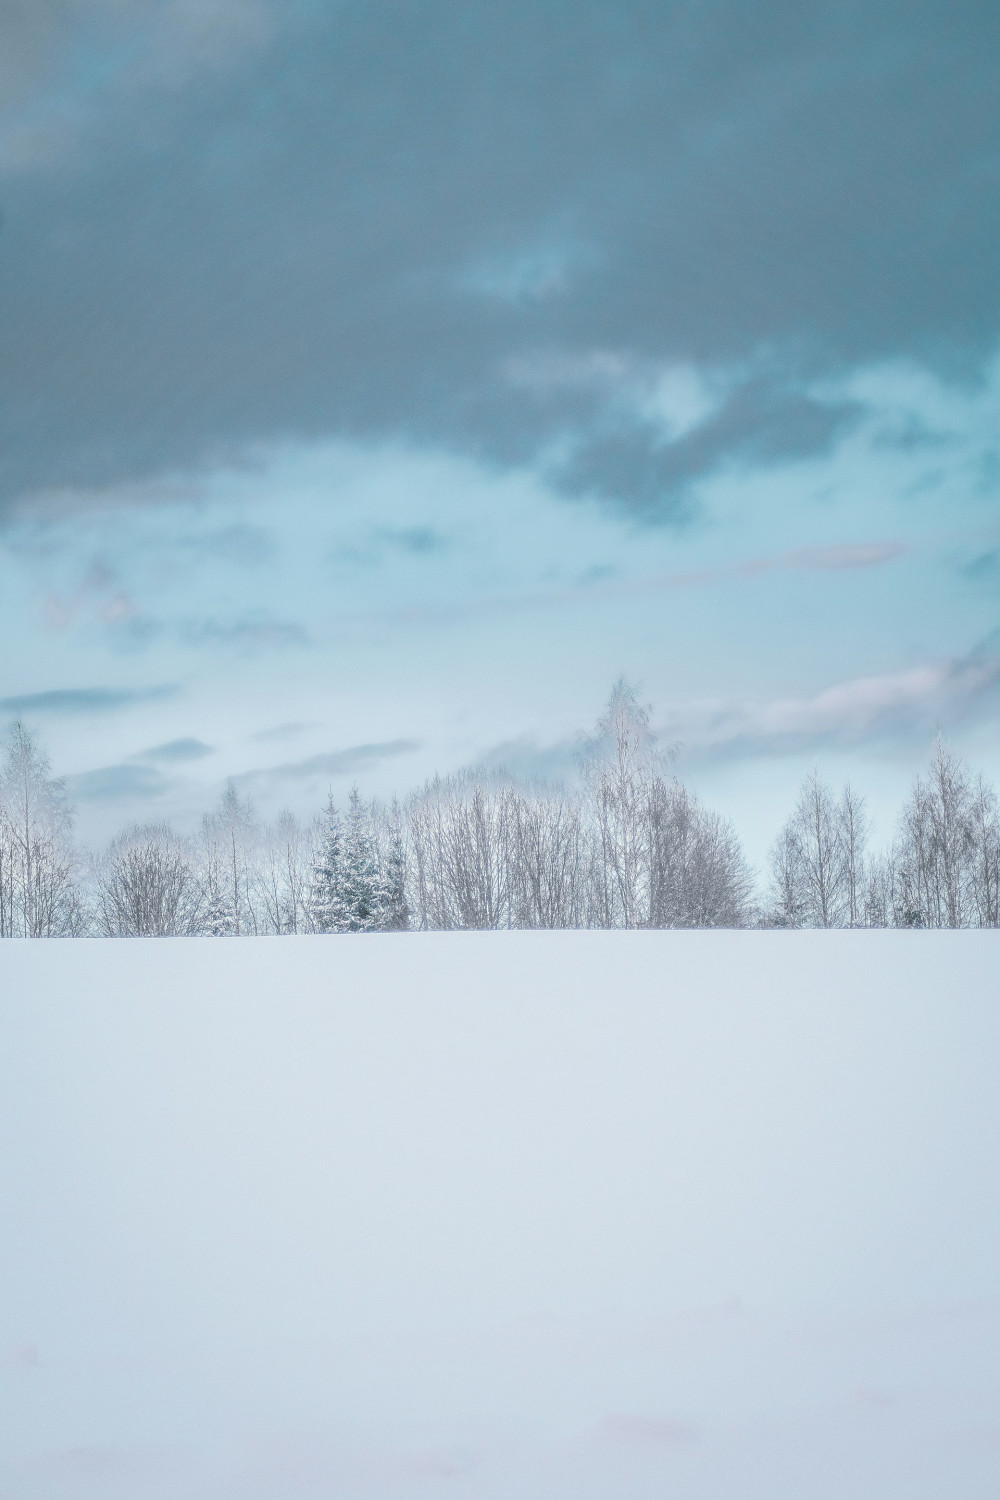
x=627 y=846
x=942 y=869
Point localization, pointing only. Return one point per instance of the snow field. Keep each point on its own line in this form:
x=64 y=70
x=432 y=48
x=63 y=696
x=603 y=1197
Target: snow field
x=574 y=1216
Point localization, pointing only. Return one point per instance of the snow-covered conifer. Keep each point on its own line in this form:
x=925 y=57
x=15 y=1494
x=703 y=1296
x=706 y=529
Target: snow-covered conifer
x=351 y=892
x=364 y=888
x=326 y=901
x=396 y=913
x=220 y=920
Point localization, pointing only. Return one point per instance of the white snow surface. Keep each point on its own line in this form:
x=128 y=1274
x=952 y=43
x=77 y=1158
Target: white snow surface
x=553 y=1216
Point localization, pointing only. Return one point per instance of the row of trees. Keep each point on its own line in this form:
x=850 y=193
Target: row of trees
x=628 y=846
x=941 y=870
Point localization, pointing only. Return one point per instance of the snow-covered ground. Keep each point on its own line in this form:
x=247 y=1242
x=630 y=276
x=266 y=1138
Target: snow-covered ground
x=553 y=1216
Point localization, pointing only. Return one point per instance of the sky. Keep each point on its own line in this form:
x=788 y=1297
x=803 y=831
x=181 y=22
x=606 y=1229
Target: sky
x=379 y=383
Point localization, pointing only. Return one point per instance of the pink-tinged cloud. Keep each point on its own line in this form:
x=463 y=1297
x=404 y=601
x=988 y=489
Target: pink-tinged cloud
x=868 y=555
x=807 y=559
x=98 y=597
x=860 y=702
x=118 y=609
x=826 y=559
x=891 y=705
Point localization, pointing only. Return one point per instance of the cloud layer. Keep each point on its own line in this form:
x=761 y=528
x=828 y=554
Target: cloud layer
x=255 y=223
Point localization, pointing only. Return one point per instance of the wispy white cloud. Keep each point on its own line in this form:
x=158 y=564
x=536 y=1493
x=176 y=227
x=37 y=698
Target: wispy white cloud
x=283 y=731
x=255 y=631
x=93 y=700
x=113 y=784
x=528 y=274
x=348 y=762
x=861 y=710
x=601 y=583
x=836 y=558
x=175 y=750
x=858 y=713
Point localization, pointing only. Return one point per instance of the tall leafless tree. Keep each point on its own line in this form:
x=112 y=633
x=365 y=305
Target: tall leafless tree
x=460 y=831
x=697 y=875
x=934 y=848
x=549 y=865
x=818 y=860
x=229 y=844
x=621 y=764
x=279 y=886
x=984 y=870
x=39 y=896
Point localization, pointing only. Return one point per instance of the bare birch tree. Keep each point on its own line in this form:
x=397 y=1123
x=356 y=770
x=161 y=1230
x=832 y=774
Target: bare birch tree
x=619 y=774
x=984 y=870
x=697 y=875
x=280 y=883
x=934 y=847
x=146 y=885
x=818 y=860
x=38 y=893
x=853 y=832
x=229 y=845
x=460 y=830
x=549 y=865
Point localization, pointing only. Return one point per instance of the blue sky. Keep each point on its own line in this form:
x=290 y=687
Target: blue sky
x=380 y=383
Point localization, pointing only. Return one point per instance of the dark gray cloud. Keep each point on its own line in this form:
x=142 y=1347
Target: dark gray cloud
x=176 y=750
x=347 y=762
x=761 y=421
x=123 y=783
x=95 y=700
x=356 y=222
